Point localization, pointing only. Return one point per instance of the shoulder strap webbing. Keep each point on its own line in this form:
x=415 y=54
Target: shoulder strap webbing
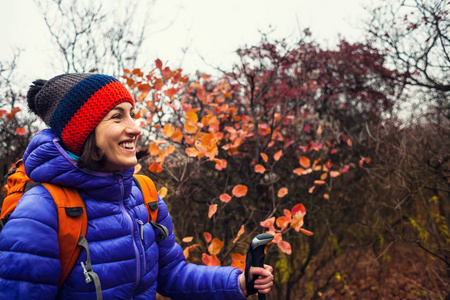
x=150 y=195
x=87 y=269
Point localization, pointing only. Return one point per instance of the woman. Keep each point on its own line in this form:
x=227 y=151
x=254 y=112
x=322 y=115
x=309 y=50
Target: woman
x=91 y=146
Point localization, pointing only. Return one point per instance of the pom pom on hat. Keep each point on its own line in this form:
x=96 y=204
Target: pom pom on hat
x=35 y=88
x=72 y=105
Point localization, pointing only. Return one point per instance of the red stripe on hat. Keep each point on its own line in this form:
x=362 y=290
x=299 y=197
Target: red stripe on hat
x=91 y=113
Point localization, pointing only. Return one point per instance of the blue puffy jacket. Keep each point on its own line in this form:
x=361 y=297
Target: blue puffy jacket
x=128 y=267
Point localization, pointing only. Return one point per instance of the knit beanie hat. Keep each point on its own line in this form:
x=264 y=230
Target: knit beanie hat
x=72 y=105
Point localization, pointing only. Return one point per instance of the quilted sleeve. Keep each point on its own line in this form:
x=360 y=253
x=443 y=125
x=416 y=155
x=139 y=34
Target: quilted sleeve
x=29 y=263
x=180 y=280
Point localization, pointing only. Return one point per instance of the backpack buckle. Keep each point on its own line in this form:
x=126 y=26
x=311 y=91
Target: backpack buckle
x=88 y=277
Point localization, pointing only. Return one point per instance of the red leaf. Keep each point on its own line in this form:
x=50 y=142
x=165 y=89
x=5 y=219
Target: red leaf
x=21 y=131
x=158 y=63
x=305 y=162
x=212 y=210
x=278 y=155
x=282 y=192
x=268 y=224
x=239 y=191
x=208 y=236
x=260 y=169
x=155 y=168
x=210 y=261
x=225 y=198
x=285 y=247
x=241 y=231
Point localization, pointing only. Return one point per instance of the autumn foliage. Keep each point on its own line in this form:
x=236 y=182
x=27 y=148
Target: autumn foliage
x=243 y=153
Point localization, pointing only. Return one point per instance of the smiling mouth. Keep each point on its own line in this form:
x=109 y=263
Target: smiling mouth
x=127 y=145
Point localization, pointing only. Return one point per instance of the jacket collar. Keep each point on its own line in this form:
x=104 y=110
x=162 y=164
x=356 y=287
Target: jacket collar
x=46 y=161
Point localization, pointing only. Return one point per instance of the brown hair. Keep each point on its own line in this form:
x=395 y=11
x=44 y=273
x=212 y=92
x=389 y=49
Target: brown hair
x=92 y=156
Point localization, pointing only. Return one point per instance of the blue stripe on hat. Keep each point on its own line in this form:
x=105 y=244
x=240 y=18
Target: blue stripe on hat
x=75 y=99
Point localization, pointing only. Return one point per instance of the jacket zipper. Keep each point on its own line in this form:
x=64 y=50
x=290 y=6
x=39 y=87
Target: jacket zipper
x=136 y=251
x=141 y=233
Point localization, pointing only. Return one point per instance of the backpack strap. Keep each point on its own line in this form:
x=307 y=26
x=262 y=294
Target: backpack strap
x=148 y=190
x=72 y=220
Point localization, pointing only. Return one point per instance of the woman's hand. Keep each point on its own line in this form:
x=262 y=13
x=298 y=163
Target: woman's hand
x=264 y=281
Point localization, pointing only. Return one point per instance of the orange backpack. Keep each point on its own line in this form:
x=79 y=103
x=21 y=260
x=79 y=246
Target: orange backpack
x=72 y=218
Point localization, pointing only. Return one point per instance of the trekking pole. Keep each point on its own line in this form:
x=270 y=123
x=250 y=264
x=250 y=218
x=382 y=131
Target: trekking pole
x=255 y=257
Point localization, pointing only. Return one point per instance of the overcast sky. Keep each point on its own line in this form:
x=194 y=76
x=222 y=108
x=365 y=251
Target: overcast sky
x=213 y=29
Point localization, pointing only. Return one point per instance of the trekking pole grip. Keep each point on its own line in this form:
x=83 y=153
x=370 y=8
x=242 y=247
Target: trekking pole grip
x=255 y=258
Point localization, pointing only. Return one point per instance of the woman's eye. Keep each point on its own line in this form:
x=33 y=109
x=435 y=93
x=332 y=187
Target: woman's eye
x=133 y=115
x=116 y=116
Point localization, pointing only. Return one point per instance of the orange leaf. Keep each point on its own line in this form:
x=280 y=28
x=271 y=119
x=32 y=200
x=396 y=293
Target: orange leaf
x=212 y=210
x=225 y=198
x=222 y=165
x=177 y=136
x=170 y=92
x=241 y=231
x=268 y=224
x=299 y=171
x=297 y=220
x=168 y=130
x=305 y=162
x=307 y=232
x=210 y=261
x=282 y=192
x=311 y=189
x=335 y=173
x=324 y=176
x=260 y=169
x=283 y=222
x=21 y=131
x=162 y=192
x=155 y=168
x=349 y=142
x=264 y=157
x=160 y=142
x=238 y=261
x=191 y=116
x=215 y=246
x=190 y=127
x=154 y=149
x=239 y=191
x=191 y=152
x=319 y=182
x=278 y=155
x=208 y=236
x=188 y=239
x=317 y=168
x=285 y=247
x=326 y=196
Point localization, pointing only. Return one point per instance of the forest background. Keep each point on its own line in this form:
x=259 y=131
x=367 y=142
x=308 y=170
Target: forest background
x=340 y=152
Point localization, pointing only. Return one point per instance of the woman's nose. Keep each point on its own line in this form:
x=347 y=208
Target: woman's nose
x=132 y=127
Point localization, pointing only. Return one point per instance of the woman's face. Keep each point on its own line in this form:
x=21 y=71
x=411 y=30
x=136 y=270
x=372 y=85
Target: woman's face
x=116 y=136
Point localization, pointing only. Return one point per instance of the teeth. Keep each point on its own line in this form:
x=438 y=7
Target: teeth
x=127 y=145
